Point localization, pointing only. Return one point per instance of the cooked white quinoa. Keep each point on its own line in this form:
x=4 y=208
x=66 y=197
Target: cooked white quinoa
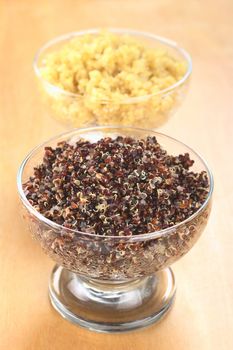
x=106 y=70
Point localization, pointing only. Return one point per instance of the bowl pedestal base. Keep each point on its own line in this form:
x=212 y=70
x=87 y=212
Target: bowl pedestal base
x=109 y=307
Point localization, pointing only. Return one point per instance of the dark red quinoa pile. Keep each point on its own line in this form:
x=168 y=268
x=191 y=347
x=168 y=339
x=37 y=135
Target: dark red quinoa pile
x=114 y=187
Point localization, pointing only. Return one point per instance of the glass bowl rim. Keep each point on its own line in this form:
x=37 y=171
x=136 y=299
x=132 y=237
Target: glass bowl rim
x=140 y=237
x=129 y=100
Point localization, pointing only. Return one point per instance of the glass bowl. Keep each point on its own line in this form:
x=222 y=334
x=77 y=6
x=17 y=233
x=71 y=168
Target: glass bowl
x=76 y=110
x=113 y=283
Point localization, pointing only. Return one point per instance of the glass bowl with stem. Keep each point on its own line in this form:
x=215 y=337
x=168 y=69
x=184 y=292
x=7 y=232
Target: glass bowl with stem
x=113 y=283
x=74 y=109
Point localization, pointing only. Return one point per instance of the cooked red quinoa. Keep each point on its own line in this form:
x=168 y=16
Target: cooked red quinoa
x=115 y=187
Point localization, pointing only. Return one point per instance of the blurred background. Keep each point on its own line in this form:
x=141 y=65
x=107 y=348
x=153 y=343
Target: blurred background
x=203 y=313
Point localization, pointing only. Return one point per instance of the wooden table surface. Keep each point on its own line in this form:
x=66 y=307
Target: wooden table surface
x=202 y=317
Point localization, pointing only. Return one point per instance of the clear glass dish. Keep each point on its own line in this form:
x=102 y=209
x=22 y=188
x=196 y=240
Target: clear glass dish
x=117 y=283
x=74 y=110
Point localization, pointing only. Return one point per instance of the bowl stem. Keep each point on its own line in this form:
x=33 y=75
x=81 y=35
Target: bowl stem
x=105 y=306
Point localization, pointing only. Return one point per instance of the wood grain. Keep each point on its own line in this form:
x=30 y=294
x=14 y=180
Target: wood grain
x=202 y=316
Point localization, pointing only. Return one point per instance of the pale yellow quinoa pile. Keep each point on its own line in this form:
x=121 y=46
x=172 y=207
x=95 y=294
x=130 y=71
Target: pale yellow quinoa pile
x=110 y=67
